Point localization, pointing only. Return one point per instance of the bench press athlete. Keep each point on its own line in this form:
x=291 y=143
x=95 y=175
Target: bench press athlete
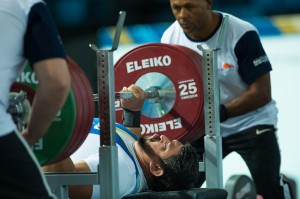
x=153 y=162
x=27 y=32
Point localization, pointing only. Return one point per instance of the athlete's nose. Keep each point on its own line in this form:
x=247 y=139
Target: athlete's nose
x=164 y=138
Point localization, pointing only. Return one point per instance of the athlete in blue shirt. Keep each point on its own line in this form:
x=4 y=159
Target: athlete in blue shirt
x=153 y=162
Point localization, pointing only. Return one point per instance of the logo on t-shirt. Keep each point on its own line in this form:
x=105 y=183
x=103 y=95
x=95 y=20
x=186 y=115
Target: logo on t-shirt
x=228 y=66
x=260 y=60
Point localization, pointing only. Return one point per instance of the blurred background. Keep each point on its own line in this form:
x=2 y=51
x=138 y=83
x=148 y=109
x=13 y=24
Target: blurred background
x=79 y=21
x=82 y=22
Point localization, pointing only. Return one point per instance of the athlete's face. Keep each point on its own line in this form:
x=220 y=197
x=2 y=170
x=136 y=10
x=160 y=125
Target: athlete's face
x=192 y=15
x=160 y=146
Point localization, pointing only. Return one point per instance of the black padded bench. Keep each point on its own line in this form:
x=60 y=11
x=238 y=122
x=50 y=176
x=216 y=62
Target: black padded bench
x=197 y=193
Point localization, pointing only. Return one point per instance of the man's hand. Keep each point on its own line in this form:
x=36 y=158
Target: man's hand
x=30 y=141
x=135 y=103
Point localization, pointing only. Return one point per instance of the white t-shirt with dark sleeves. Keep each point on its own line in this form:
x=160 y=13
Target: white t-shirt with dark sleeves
x=241 y=61
x=28 y=33
x=131 y=177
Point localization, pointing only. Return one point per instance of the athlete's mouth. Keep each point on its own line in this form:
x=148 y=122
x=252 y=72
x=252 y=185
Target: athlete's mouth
x=185 y=24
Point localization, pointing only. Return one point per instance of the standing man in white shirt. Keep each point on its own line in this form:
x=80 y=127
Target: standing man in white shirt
x=28 y=33
x=248 y=113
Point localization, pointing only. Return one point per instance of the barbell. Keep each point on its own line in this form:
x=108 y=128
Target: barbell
x=171 y=77
x=152 y=92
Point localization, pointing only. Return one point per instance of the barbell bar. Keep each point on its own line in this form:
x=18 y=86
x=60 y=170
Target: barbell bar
x=151 y=92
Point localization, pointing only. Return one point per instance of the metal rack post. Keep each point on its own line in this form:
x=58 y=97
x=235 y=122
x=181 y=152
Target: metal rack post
x=108 y=151
x=213 y=139
x=107 y=175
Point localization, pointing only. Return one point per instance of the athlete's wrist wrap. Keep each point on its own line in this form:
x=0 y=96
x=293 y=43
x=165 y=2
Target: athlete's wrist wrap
x=223 y=113
x=131 y=118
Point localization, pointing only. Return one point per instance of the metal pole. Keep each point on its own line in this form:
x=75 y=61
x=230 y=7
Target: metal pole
x=108 y=152
x=213 y=139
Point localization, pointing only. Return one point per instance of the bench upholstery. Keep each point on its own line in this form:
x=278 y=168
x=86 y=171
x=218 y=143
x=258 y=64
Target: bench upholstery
x=196 y=193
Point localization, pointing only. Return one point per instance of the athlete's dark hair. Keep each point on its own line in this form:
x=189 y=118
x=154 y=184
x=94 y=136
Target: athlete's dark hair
x=180 y=172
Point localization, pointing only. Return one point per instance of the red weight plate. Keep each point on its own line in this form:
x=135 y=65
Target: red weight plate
x=75 y=74
x=88 y=104
x=198 y=130
x=85 y=101
x=170 y=66
x=199 y=127
x=75 y=84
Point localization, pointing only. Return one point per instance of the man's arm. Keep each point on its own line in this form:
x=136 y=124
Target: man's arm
x=133 y=107
x=248 y=49
x=52 y=91
x=257 y=95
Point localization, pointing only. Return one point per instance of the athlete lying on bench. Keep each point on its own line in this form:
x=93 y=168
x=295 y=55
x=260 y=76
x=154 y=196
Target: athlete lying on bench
x=152 y=162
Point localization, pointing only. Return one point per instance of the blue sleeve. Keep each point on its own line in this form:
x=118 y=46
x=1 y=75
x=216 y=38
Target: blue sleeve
x=42 y=40
x=95 y=128
x=252 y=59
